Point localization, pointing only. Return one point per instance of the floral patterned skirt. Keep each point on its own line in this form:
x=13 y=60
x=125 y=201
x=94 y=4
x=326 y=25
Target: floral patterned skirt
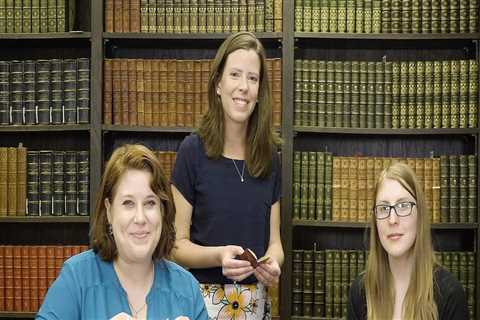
x=236 y=301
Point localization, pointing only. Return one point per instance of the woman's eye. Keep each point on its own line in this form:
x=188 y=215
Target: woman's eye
x=253 y=79
x=128 y=203
x=235 y=74
x=150 y=203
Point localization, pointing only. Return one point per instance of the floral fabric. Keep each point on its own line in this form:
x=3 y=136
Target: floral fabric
x=236 y=301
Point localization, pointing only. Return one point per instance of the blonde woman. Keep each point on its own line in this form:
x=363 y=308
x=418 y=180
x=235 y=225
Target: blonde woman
x=402 y=279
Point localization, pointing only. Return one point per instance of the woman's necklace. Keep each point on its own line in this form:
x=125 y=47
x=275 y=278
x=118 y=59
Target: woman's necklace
x=238 y=171
x=137 y=311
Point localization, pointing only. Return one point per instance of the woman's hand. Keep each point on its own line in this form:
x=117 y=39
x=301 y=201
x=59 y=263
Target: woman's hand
x=232 y=268
x=268 y=273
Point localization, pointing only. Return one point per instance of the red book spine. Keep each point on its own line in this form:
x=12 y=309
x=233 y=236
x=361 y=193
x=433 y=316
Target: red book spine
x=2 y=278
x=8 y=261
x=17 y=278
x=26 y=279
x=33 y=252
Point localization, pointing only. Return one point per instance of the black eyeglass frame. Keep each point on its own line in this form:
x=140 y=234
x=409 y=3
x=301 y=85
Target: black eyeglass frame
x=393 y=207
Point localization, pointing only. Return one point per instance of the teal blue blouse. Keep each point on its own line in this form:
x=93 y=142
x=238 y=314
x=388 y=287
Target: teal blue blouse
x=88 y=288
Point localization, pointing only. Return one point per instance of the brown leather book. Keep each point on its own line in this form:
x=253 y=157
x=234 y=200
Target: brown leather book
x=2 y=278
x=132 y=92
x=21 y=180
x=197 y=91
x=125 y=15
x=117 y=91
x=181 y=70
x=140 y=94
x=59 y=259
x=12 y=181
x=163 y=85
x=277 y=92
x=118 y=17
x=189 y=93
x=206 y=66
x=172 y=94
x=250 y=256
x=8 y=272
x=25 y=278
x=109 y=15
x=124 y=83
x=17 y=278
x=3 y=181
x=134 y=15
x=107 y=91
x=156 y=92
x=147 y=78
x=277 y=15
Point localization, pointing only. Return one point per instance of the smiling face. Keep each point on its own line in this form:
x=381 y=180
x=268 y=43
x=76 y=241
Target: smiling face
x=397 y=234
x=135 y=214
x=238 y=86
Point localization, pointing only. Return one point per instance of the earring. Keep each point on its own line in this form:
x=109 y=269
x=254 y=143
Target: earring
x=110 y=229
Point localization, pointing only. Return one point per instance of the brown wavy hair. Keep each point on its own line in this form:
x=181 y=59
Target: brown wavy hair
x=419 y=301
x=126 y=157
x=261 y=139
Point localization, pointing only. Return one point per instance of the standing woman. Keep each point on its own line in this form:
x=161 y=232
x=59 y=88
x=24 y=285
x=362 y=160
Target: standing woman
x=402 y=279
x=226 y=186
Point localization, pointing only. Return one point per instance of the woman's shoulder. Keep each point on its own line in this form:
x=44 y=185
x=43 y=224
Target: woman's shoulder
x=193 y=140
x=445 y=281
x=82 y=259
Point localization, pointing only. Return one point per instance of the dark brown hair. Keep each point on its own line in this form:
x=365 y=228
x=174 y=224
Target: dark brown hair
x=132 y=156
x=261 y=139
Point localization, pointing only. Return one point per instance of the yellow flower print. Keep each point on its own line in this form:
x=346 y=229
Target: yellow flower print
x=237 y=304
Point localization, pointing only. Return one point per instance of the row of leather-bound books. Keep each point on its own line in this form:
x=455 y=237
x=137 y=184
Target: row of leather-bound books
x=167 y=92
x=331 y=188
x=193 y=16
x=387 y=16
x=321 y=279
x=386 y=94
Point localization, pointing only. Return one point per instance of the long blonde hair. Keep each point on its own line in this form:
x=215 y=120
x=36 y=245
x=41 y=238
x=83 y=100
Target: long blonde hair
x=419 y=300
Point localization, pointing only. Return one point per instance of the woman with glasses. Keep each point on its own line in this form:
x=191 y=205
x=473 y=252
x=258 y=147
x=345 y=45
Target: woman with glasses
x=402 y=279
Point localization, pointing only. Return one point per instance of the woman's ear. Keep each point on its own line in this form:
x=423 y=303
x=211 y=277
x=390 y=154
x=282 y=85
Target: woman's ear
x=107 y=207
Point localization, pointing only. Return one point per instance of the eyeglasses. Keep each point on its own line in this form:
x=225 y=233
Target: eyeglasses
x=402 y=209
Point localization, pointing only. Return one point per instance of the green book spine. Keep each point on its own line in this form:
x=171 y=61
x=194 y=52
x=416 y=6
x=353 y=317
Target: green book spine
x=83 y=182
x=312 y=185
x=379 y=94
x=52 y=15
x=269 y=15
x=160 y=10
x=428 y=98
x=144 y=15
x=386 y=16
x=454 y=93
x=260 y=16
x=235 y=10
x=426 y=15
x=370 y=94
x=328 y=186
x=304 y=186
x=341 y=16
x=377 y=16
x=355 y=95
x=454 y=16
x=227 y=15
x=350 y=16
x=363 y=89
x=454 y=188
x=367 y=15
x=473 y=94
x=446 y=97
x=297 y=163
x=463 y=94
x=412 y=111
x=242 y=15
x=3 y=16
x=435 y=16
x=396 y=16
x=437 y=94
x=420 y=94
x=330 y=95
x=472 y=189
x=359 y=17
x=320 y=181
x=332 y=16
x=406 y=16
x=315 y=15
x=396 y=95
x=387 y=120
x=251 y=15
x=307 y=16
x=10 y=24
x=27 y=16
x=473 y=16
x=313 y=96
x=347 y=91
x=338 y=94
x=177 y=16
x=324 y=14
x=329 y=290
x=193 y=16
x=17 y=16
x=444 y=189
x=416 y=16
x=305 y=98
x=169 y=13
x=445 y=16
x=202 y=16
x=321 y=96
x=152 y=16
x=185 y=16
x=298 y=87
x=463 y=189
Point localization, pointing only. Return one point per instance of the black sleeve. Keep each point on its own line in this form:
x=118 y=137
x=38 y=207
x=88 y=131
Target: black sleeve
x=357 y=304
x=451 y=301
x=184 y=173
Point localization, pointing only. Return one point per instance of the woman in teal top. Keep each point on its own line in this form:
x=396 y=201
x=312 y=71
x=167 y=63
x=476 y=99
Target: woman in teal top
x=125 y=276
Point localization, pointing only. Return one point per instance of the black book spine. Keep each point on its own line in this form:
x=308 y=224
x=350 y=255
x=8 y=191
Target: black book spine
x=58 y=183
x=42 y=87
x=70 y=90
x=70 y=176
x=29 y=92
x=83 y=180
x=83 y=90
x=45 y=160
x=57 y=92
x=16 y=93
x=4 y=93
x=33 y=208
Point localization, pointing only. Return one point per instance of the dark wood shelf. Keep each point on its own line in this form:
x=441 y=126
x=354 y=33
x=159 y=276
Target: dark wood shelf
x=40 y=128
x=119 y=128
x=388 y=36
x=45 y=219
x=313 y=318
x=365 y=131
x=56 y=35
x=363 y=225
x=19 y=315
x=182 y=36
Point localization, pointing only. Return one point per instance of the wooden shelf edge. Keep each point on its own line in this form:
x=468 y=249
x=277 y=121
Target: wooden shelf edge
x=364 y=131
x=21 y=315
x=388 y=36
x=363 y=225
x=40 y=128
x=45 y=219
x=183 y=36
x=119 y=128
x=53 y=35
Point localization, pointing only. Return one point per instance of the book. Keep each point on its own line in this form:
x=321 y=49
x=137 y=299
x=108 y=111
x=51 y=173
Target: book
x=249 y=255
